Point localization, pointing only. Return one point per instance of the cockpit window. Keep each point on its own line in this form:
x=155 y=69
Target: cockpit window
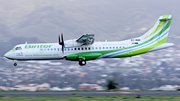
x=17 y=48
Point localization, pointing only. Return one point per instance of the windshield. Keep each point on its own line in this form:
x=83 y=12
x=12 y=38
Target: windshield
x=17 y=48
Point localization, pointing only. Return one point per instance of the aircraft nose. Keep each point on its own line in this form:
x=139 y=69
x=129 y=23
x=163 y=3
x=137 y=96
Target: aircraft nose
x=6 y=55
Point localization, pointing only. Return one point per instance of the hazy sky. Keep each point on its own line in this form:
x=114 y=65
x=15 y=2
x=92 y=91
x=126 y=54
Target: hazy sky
x=43 y=20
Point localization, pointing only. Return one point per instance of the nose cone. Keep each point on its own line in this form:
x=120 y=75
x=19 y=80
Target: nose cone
x=9 y=54
x=6 y=55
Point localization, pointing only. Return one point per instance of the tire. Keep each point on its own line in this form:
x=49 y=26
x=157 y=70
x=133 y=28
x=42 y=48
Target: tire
x=82 y=62
x=15 y=64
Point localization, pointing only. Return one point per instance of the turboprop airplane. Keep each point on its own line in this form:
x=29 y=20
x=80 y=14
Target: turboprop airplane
x=85 y=48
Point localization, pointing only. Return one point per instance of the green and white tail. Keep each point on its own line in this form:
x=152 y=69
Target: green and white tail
x=152 y=40
x=157 y=35
x=159 y=31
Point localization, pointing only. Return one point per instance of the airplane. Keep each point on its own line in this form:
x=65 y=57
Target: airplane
x=85 y=48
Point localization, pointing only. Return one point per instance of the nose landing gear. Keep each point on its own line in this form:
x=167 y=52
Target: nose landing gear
x=15 y=64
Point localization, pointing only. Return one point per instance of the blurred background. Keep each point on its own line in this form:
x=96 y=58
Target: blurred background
x=36 y=21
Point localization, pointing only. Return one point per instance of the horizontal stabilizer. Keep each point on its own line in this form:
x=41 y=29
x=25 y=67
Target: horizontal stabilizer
x=165 y=45
x=165 y=19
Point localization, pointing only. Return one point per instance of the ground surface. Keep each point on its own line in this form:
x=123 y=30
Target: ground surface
x=79 y=98
x=90 y=94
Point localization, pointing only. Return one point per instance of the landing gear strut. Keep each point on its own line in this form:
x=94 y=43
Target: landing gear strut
x=82 y=62
x=15 y=64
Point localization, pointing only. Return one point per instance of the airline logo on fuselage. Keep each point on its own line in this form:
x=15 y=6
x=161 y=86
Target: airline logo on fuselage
x=37 y=46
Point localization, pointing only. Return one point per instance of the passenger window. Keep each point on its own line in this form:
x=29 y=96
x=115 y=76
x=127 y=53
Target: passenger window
x=68 y=49
x=103 y=48
x=51 y=49
x=78 y=48
x=109 y=47
x=96 y=48
x=48 y=49
x=89 y=48
x=99 y=47
x=44 y=49
x=58 y=49
x=85 y=48
x=92 y=48
x=106 y=47
x=54 y=48
x=71 y=48
x=113 y=47
x=74 y=48
x=116 y=47
x=82 y=48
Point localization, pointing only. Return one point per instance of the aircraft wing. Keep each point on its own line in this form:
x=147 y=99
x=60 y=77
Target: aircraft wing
x=86 y=39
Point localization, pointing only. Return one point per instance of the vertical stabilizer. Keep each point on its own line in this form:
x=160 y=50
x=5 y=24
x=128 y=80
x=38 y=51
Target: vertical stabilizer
x=160 y=30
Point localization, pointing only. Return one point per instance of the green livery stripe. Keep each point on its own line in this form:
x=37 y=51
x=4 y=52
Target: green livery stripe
x=143 y=50
x=11 y=51
x=90 y=55
x=157 y=35
x=165 y=16
x=160 y=25
x=87 y=35
x=157 y=28
x=164 y=29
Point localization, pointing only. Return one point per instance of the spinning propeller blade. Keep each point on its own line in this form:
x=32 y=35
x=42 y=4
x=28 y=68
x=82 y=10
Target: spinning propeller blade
x=61 y=42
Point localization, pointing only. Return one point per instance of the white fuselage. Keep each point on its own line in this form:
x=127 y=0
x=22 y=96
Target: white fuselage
x=47 y=51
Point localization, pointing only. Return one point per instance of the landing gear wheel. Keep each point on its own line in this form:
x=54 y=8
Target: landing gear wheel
x=15 y=64
x=82 y=62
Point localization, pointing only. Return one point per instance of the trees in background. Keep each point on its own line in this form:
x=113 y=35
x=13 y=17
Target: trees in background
x=111 y=84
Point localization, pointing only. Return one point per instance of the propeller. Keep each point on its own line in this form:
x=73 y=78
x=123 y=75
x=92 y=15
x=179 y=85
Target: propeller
x=61 y=42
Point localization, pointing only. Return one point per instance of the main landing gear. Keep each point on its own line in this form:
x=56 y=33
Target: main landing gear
x=82 y=62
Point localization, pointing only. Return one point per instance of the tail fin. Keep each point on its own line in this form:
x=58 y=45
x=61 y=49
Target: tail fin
x=159 y=31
